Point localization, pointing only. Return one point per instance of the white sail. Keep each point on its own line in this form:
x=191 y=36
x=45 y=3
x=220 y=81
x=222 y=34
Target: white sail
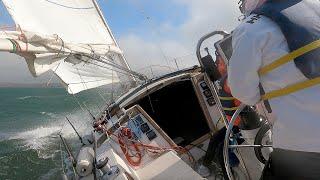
x=50 y=32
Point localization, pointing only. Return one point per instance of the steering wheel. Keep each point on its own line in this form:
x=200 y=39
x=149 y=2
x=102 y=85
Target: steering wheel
x=260 y=137
x=227 y=145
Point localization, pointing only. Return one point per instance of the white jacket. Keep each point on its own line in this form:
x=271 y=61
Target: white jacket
x=256 y=44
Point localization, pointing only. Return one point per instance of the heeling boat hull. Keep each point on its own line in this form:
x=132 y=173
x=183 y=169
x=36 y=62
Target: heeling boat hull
x=178 y=88
x=177 y=91
x=149 y=100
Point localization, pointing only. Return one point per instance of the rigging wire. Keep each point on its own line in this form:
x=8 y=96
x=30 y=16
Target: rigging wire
x=141 y=76
x=79 y=104
x=69 y=7
x=100 y=94
x=147 y=67
x=87 y=88
x=101 y=59
x=121 y=70
x=112 y=88
x=98 y=91
x=130 y=72
x=93 y=117
x=51 y=77
x=148 y=21
x=122 y=56
x=76 y=100
x=62 y=127
x=108 y=62
x=75 y=130
x=62 y=158
x=91 y=81
x=126 y=72
x=82 y=82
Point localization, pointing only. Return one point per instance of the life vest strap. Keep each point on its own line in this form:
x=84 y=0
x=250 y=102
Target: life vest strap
x=230 y=109
x=289 y=57
x=226 y=98
x=291 y=89
x=283 y=60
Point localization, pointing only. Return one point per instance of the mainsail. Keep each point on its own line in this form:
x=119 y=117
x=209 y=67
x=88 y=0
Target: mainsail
x=71 y=38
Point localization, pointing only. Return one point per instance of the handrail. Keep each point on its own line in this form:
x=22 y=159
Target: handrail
x=205 y=37
x=211 y=86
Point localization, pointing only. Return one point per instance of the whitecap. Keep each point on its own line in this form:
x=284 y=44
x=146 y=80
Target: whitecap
x=24 y=97
x=27 y=97
x=44 y=139
x=50 y=114
x=37 y=133
x=38 y=139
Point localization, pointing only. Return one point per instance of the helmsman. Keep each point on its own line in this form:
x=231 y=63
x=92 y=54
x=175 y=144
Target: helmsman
x=290 y=30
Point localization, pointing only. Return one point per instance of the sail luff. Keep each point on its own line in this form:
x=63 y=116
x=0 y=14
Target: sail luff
x=122 y=58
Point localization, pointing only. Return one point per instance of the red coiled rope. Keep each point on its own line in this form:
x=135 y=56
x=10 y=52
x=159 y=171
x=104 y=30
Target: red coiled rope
x=125 y=140
x=124 y=137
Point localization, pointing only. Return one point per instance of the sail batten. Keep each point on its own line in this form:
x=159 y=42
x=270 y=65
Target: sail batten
x=62 y=35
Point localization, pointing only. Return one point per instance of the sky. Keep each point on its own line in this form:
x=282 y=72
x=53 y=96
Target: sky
x=150 y=32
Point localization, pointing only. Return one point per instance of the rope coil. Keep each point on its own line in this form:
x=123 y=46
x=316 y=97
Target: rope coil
x=133 y=148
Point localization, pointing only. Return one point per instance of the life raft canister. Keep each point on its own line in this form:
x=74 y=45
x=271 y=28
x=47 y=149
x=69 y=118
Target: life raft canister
x=299 y=21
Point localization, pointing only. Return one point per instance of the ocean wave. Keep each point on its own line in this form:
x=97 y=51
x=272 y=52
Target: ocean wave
x=39 y=97
x=28 y=97
x=44 y=139
x=39 y=139
x=37 y=133
x=50 y=114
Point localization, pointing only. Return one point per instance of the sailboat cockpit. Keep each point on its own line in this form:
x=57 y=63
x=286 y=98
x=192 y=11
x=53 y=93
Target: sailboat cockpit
x=175 y=127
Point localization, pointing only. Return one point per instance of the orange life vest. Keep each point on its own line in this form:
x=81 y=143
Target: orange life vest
x=228 y=102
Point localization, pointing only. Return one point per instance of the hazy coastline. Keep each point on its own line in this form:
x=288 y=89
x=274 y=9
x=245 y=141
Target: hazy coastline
x=29 y=85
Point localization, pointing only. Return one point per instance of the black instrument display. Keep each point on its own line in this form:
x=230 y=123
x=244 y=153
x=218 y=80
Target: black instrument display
x=224 y=48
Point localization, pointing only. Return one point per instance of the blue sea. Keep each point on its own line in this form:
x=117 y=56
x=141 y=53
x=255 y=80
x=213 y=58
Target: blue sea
x=30 y=120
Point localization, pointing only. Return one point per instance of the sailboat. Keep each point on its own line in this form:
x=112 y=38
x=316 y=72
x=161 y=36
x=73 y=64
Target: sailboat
x=161 y=128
